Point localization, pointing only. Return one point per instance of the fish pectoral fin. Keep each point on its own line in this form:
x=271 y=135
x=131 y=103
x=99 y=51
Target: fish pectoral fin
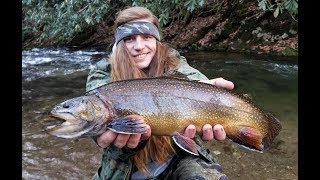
x=185 y=143
x=248 y=137
x=131 y=124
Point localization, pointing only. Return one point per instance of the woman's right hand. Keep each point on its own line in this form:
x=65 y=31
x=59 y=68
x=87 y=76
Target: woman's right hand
x=220 y=82
x=120 y=140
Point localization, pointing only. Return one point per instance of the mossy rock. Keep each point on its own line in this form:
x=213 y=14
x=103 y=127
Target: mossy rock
x=289 y=52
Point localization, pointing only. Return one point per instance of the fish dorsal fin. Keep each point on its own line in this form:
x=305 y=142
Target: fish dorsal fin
x=247 y=97
x=175 y=74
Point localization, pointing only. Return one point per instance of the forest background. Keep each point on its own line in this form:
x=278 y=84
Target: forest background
x=249 y=26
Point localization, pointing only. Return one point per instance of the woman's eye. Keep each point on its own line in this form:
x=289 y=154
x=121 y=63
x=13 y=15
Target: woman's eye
x=128 y=39
x=147 y=36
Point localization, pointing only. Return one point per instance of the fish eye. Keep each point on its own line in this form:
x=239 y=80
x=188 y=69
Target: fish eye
x=65 y=105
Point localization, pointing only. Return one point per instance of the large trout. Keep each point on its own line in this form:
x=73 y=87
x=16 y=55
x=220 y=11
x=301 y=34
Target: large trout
x=168 y=105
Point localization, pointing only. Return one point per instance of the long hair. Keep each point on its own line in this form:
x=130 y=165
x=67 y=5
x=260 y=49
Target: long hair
x=123 y=67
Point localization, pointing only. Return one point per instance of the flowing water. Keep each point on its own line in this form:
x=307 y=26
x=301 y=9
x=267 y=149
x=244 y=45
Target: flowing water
x=50 y=76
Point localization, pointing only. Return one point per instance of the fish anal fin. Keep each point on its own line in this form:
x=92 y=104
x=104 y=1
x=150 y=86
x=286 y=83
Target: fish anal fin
x=131 y=124
x=248 y=137
x=185 y=143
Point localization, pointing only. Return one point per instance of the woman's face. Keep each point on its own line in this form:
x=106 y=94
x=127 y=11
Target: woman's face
x=142 y=48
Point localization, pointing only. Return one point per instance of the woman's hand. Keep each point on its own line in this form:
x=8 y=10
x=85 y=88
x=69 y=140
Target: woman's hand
x=208 y=133
x=121 y=140
x=220 y=82
x=132 y=140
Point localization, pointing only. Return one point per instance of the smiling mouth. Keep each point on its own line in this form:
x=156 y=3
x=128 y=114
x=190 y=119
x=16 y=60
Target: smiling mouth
x=141 y=55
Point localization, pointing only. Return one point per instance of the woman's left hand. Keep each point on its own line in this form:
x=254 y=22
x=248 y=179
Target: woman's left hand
x=208 y=132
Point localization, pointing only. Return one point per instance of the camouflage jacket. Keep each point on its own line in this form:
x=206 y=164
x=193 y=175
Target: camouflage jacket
x=117 y=163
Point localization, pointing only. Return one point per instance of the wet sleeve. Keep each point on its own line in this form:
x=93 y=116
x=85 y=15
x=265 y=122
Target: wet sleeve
x=184 y=68
x=99 y=75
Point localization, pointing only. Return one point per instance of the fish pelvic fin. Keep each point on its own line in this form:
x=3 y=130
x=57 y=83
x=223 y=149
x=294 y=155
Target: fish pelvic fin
x=185 y=143
x=131 y=124
x=249 y=138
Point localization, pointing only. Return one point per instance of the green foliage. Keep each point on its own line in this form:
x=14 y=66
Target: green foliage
x=166 y=10
x=278 y=6
x=60 y=20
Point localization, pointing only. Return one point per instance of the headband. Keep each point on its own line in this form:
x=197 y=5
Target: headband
x=134 y=28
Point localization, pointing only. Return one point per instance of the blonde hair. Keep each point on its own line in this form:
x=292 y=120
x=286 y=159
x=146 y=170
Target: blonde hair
x=157 y=148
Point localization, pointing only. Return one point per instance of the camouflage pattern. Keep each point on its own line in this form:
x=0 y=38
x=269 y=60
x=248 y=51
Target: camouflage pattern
x=117 y=163
x=99 y=75
x=195 y=168
x=134 y=28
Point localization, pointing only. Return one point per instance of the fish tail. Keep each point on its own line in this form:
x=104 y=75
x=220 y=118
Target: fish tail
x=274 y=127
x=253 y=138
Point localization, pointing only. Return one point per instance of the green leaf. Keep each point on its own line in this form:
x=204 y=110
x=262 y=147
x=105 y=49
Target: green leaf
x=262 y=5
x=77 y=28
x=89 y=20
x=276 y=12
x=201 y=2
x=295 y=4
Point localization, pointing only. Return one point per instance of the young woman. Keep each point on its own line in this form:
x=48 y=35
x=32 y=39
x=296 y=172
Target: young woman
x=138 y=52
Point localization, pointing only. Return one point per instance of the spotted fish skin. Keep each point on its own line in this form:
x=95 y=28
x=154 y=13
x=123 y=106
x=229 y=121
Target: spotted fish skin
x=169 y=105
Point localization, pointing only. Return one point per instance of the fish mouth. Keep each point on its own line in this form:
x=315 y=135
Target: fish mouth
x=64 y=125
x=65 y=117
x=59 y=122
x=68 y=126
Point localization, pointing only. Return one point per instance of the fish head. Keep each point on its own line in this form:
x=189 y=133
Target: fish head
x=82 y=116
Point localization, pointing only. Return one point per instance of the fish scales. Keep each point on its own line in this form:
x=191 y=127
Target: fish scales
x=178 y=101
